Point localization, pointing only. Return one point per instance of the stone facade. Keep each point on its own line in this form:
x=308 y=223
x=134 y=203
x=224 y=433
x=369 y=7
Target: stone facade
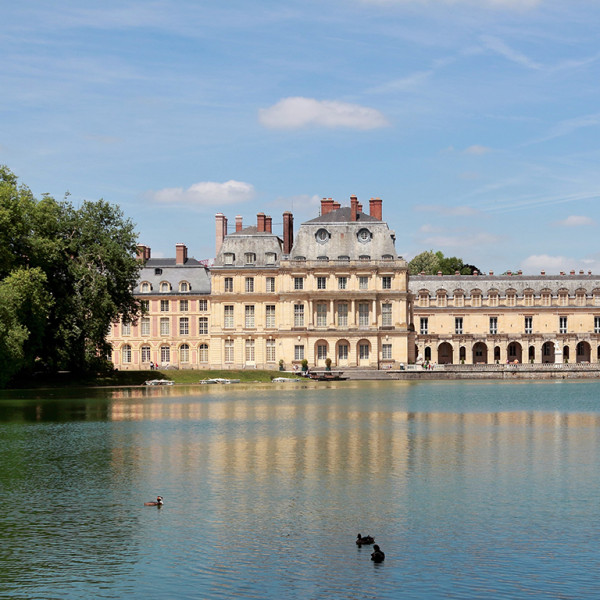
x=509 y=318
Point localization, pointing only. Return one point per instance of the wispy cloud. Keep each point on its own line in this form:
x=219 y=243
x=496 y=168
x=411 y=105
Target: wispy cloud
x=555 y=264
x=506 y=4
x=477 y=150
x=451 y=211
x=299 y=112
x=568 y=126
x=499 y=47
x=468 y=240
x=576 y=221
x=205 y=193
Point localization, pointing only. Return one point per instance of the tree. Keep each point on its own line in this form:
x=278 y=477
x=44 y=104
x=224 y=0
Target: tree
x=430 y=263
x=75 y=267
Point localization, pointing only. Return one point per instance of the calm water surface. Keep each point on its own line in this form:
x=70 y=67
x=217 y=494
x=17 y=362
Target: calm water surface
x=473 y=491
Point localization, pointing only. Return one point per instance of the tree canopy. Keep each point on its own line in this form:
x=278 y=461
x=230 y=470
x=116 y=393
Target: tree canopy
x=65 y=274
x=430 y=263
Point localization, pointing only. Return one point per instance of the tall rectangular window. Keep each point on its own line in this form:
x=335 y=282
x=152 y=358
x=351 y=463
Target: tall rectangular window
x=386 y=283
x=184 y=326
x=271 y=351
x=321 y=351
x=321 y=315
x=363 y=314
x=202 y=325
x=126 y=328
x=270 y=284
x=298 y=315
x=249 y=316
x=228 y=316
x=165 y=354
x=343 y=352
x=493 y=325
x=228 y=351
x=298 y=352
x=342 y=313
x=424 y=329
x=270 y=316
x=386 y=314
x=562 y=324
x=298 y=283
x=229 y=284
x=145 y=326
x=203 y=353
x=528 y=324
x=145 y=305
x=250 y=351
x=363 y=351
x=363 y=283
x=596 y=324
x=458 y=325
x=386 y=351
x=164 y=326
x=249 y=285
x=342 y=283
x=145 y=354
x=203 y=305
x=321 y=283
x=164 y=306
x=184 y=305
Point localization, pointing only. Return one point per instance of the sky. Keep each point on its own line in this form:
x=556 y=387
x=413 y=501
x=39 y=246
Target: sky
x=476 y=121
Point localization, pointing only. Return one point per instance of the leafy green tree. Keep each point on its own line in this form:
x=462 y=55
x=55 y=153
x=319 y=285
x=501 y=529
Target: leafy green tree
x=78 y=266
x=430 y=263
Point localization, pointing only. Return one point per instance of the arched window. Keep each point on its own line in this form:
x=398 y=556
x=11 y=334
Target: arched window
x=203 y=353
x=126 y=353
x=184 y=353
x=184 y=286
x=145 y=287
x=165 y=286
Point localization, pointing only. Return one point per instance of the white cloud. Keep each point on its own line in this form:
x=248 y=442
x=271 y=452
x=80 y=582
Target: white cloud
x=298 y=112
x=555 y=264
x=477 y=150
x=205 y=193
x=576 y=221
x=498 y=46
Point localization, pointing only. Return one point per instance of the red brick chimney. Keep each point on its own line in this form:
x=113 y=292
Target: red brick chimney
x=375 y=208
x=336 y=206
x=288 y=231
x=238 y=223
x=220 y=231
x=260 y=222
x=353 y=207
x=326 y=206
x=269 y=224
x=180 y=254
x=143 y=252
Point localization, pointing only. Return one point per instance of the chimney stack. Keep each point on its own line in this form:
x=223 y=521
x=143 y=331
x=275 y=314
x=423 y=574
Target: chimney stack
x=238 y=223
x=336 y=205
x=353 y=207
x=143 y=252
x=269 y=224
x=375 y=208
x=220 y=232
x=326 y=206
x=288 y=231
x=180 y=254
x=260 y=222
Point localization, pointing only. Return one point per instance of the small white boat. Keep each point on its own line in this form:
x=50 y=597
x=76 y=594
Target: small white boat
x=158 y=382
x=218 y=380
x=283 y=380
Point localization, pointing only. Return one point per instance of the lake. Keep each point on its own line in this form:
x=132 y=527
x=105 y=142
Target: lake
x=473 y=490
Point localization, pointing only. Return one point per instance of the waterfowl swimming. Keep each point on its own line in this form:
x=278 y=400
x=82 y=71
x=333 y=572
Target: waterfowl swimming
x=364 y=541
x=377 y=555
x=158 y=502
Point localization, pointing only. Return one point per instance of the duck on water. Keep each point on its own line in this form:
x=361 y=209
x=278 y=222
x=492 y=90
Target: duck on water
x=364 y=541
x=157 y=502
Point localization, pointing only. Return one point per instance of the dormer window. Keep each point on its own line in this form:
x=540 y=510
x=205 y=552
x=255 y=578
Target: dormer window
x=250 y=258
x=165 y=286
x=322 y=236
x=323 y=258
x=387 y=257
x=145 y=287
x=184 y=286
x=229 y=258
x=158 y=271
x=364 y=257
x=364 y=236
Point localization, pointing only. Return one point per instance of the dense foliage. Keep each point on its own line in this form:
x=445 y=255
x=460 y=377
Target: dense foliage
x=65 y=274
x=430 y=263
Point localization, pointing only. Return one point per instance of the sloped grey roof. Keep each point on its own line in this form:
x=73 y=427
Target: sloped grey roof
x=343 y=237
x=502 y=283
x=250 y=240
x=194 y=272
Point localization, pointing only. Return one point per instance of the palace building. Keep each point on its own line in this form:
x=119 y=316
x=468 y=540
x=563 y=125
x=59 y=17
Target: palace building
x=338 y=290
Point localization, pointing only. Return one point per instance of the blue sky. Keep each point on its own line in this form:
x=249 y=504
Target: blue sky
x=476 y=121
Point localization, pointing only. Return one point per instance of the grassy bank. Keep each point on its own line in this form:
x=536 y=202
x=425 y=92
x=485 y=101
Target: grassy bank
x=124 y=378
